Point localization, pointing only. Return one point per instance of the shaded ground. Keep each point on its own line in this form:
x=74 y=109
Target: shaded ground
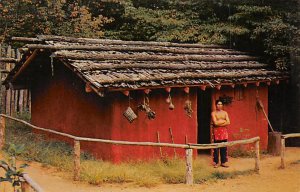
x=271 y=178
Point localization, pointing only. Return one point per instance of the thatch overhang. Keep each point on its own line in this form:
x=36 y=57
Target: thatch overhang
x=107 y=65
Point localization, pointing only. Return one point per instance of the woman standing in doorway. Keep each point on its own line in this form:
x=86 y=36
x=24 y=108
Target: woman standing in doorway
x=220 y=121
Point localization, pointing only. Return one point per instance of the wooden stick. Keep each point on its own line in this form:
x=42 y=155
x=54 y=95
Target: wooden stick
x=25 y=39
x=186 y=139
x=158 y=140
x=224 y=144
x=138 y=57
x=32 y=183
x=257 y=157
x=172 y=139
x=2 y=132
x=263 y=109
x=26 y=64
x=291 y=135
x=76 y=160
x=131 y=48
x=120 y=42
x=189 y=166
x=192 y=146
x=183 y=75
x=92 y=66
x=282 y=153
x=8 y=60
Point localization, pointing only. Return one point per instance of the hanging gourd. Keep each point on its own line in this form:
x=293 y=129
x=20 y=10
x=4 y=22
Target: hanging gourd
x=171 y=105
x=129 y=113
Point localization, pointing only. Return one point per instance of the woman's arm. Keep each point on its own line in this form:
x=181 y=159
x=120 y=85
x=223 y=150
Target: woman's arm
x=216 y=122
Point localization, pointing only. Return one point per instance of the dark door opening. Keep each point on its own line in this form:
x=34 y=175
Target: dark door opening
x=204 y=111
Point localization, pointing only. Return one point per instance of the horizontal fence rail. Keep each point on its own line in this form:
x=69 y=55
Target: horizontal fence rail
x=282 y=152
x=188 y=147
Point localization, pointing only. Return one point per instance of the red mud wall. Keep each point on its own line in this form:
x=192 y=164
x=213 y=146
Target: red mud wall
x=143 y=129
x=60 y=102
x=247 y=120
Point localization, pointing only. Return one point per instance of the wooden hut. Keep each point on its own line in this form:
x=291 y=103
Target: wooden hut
x=141 y=91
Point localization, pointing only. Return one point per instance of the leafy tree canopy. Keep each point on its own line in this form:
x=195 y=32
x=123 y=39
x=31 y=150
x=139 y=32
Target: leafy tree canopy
x=267 y=27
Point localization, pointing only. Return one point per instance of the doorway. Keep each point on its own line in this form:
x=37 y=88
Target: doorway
x=204 y=110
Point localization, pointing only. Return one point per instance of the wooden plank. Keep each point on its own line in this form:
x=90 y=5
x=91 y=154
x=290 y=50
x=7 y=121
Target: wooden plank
x=282 y=155
x=76 y=160
x=189 y=166
x=257 y=157
x=2 y=132
x=158 y=141
x=29 y=101
x=8 y=92
x=172 y=139
x=7 y=100
x=21 y=101
x=25 y=104
x=12 y=103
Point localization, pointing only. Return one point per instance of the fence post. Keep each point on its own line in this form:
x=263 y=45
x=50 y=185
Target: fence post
x=2 y=132
x=257 y=156
x=282 y=152
x=189 y=166
x=76 y=160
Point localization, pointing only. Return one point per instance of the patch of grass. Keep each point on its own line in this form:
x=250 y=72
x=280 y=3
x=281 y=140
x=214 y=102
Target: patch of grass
x=242 y=153
x=230 y=175
x=296 y=162
x=97 y=172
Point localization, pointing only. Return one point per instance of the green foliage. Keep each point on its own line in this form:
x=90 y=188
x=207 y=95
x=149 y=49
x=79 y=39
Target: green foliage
x=268 y=28
x=29 y=18
x=13 y=173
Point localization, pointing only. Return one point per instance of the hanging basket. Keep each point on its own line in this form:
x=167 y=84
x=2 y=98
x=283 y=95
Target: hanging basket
x=129 y=114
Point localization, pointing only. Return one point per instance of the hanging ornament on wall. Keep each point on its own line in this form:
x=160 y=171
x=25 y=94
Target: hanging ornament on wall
x=171 y=105
x=188 y=104
x=129 y=113
x=146 y=107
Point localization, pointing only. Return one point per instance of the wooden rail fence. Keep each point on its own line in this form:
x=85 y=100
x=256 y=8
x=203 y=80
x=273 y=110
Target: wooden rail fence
x=188 y=147
x=12 y=102
x=282 y=152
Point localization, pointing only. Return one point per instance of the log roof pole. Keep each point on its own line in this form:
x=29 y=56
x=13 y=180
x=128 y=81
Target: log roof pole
x=26 y=64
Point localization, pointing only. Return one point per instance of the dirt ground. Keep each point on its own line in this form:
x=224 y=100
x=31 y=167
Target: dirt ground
x=270 y=179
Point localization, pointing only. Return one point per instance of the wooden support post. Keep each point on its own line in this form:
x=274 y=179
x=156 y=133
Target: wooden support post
x=2 y=132
x=172 y=139
x=76 y=160
x=189 y=166
x=257 y=158
x=25 y=187
x=282 y=153
x=158 y=140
